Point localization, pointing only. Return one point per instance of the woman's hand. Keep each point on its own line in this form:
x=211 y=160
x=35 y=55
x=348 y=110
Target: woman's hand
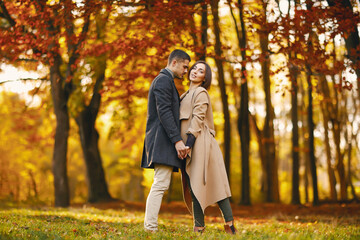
x=188 y=149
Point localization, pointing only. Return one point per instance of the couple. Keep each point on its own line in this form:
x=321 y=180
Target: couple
x=180 y=134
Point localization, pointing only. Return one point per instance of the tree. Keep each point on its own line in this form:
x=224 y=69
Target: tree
x=347 y=20
x=326 y=118
x=25 y=148
x=200 y=47
x=220 y=70
x=36 y=30
x=265 y=136
x=86 y=118
x=243 y=111
x=342 y=10
x=293 y=76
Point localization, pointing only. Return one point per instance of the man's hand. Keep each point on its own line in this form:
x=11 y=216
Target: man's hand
x=181 y=149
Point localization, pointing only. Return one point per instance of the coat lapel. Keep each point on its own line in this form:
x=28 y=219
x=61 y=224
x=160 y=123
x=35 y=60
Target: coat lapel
x=185 y=106
x=166 y=72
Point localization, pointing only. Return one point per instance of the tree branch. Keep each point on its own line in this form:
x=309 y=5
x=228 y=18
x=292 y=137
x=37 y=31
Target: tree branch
x=26 y=60
x=74 y=47
x=69 y=26
x=235 y=22
x=33 y=95
x=137 y=4
x=84 y=31
x=6 y=14
x=25 y=79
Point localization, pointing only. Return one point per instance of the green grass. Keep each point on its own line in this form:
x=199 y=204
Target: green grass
x=91 y=223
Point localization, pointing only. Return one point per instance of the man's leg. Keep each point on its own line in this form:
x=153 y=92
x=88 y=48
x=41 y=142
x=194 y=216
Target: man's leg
x=161 y=183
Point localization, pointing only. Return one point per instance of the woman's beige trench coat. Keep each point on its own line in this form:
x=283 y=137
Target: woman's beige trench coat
x=205 y=166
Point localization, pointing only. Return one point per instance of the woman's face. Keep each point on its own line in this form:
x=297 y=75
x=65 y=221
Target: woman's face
x=197 y=74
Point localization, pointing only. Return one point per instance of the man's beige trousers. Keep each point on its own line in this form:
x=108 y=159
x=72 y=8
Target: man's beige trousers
x=161 y=183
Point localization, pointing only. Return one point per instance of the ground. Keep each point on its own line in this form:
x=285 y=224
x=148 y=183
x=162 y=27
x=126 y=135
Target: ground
x=124 y=220
x=262 y=210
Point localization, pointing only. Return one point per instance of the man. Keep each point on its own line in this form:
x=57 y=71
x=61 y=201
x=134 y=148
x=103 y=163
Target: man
x=163 y=147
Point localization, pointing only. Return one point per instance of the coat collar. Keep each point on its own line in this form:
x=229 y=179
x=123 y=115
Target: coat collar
x=196 y=91
x=167 y=73
x=184 y=94
x=171 y=72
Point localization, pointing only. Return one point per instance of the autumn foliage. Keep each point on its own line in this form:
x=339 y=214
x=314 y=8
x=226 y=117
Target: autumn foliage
x=276 y=64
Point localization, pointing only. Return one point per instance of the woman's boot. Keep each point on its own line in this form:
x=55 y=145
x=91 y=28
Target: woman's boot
x=199 y=229
x=230 y=229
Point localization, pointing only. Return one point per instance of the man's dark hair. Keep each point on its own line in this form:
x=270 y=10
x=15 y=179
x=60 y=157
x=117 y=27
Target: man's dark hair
x=179 y=55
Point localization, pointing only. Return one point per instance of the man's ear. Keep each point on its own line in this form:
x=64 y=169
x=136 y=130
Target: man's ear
x=173 y=63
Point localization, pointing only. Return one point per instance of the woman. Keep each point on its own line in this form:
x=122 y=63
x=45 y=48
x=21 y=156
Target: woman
x=203 y=175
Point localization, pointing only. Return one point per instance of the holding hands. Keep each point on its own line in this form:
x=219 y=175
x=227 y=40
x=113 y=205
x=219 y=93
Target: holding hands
x=181 y=149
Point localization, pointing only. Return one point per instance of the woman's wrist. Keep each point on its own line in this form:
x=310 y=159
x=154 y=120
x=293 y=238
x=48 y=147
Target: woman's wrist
x=190 y=140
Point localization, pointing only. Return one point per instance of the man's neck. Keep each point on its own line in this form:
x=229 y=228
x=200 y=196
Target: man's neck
x=170 y=71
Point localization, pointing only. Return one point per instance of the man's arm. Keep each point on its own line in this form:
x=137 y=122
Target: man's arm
x=163 y=96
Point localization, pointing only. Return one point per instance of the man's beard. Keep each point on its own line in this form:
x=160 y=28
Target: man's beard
x=177 y=76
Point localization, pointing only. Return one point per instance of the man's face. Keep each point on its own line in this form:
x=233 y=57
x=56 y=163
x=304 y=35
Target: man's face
x=180 y=68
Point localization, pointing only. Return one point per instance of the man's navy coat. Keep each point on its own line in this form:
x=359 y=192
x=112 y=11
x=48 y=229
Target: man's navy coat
x=163 y=123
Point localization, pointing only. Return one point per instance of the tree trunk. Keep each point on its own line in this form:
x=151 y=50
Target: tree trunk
x=353 y=191
x=59 y=163
x=311 y=124
x=224 y=97
x=244 y=132
x=89 y=136
x=204 y=28
x=271 y=184
x=330 y=170
x=243 y=118
x=33 y=185
x=258 y=134
x=97 y=186
x=325 y=113
x=295 y=193
x=304 y=130
x=243 y=111
x=340 y=167
x=307 y=175
x=352 y=137
x=311 y=127
x=200 y=48
x=334 y=116
x=194 y=35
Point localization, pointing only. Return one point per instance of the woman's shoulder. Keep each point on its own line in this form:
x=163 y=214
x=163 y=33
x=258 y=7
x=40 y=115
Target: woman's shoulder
x=201 y=93
x=200 y=89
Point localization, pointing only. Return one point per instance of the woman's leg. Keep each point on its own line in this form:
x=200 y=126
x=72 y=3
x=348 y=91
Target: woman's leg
x=197 y=211
x=226 y=211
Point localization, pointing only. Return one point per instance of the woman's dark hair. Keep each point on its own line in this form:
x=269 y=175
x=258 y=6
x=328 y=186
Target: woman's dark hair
x=208 y=76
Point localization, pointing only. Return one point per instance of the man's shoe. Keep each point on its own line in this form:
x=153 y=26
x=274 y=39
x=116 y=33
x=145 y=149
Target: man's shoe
x=151 y=230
